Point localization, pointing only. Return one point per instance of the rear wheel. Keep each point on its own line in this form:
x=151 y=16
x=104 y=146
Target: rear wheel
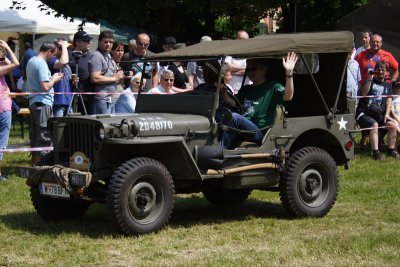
x=310 y=183
x=141 y=196
x=55 y=208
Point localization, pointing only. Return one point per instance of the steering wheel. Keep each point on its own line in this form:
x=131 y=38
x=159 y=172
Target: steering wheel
x=238 y=108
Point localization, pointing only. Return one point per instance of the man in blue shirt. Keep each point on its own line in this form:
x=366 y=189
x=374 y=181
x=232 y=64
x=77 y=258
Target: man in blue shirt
x=39 y=81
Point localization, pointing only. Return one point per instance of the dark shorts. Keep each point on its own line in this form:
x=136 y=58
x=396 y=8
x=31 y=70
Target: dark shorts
x=39 y=135
x=366 y=121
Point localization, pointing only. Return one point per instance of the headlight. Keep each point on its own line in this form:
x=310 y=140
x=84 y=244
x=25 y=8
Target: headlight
x=101 y=133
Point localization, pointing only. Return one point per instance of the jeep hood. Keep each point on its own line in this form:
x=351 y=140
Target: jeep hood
x=146 y=124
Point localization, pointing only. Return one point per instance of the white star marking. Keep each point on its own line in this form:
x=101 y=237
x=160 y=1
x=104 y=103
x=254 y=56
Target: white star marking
x=342 y=124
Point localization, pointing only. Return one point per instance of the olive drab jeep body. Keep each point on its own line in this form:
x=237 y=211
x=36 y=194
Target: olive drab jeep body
x=135 y=163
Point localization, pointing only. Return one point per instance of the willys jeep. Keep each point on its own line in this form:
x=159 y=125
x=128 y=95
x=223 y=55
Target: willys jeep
x=135 y=163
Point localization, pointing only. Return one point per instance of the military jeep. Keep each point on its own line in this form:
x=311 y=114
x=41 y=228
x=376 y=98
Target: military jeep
x=135 y=163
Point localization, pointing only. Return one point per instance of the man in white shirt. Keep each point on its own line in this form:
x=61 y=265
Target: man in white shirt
x=238 y=66
x=166 y=83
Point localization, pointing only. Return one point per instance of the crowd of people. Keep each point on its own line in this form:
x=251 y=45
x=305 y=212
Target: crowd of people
x=372 y=76
x=63 y=67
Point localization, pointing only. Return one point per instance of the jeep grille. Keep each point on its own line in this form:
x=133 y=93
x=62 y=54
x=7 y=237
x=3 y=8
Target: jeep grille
x=81 y=138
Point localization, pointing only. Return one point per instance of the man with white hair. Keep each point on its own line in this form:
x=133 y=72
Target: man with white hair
x=166 y=83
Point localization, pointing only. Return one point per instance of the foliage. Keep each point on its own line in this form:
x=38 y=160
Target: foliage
x=322 y=15
x=189 y=20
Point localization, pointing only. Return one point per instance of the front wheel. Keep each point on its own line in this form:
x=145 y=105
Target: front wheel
x=55 y=208
x=141 y=196
x=310 y=183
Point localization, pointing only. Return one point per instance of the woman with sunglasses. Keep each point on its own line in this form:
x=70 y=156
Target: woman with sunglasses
x=5 y=100
x=260 y=100
x=126 y=103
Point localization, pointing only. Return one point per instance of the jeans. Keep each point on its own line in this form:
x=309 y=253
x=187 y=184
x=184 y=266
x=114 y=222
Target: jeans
x=239 y=122
x=102 y=106
x=5 y=125
x=60 y=110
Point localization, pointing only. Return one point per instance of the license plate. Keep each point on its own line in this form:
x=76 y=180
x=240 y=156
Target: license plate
x=53 y=190
x=26 y=172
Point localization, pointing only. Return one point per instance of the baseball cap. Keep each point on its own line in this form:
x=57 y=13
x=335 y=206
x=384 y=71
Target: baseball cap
x=170 y=40
x=82 y=36
x=205 y=38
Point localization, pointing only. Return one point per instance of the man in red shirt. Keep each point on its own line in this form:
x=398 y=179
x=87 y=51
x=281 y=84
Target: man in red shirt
x=368 y=59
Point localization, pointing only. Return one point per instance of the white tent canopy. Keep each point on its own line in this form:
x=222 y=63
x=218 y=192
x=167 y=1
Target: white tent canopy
x=33 y=20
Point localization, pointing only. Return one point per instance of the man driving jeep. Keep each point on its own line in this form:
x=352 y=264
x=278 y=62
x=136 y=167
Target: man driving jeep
x=259 y=100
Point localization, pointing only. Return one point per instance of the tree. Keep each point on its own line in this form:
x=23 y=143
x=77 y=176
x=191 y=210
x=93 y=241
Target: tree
x=188 y=20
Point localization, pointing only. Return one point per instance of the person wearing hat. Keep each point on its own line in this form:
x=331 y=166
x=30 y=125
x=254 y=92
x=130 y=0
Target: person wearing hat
x=169 y=43
x=78 y=61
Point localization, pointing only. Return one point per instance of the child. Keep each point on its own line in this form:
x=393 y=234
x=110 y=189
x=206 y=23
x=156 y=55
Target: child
x=227 y=77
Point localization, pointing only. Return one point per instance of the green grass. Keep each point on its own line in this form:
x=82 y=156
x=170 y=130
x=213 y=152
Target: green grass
x=362 y=229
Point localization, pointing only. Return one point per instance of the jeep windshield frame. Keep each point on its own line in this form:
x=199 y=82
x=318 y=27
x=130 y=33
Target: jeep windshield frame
x=336 y=44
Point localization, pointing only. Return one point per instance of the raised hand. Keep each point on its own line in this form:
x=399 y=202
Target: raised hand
x=289 y=62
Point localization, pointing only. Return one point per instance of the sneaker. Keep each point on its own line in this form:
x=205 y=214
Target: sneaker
x=376 y=155
x=3 y=178
x=393 y=153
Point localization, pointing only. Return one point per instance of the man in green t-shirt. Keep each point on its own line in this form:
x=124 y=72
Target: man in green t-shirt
x=260 y=99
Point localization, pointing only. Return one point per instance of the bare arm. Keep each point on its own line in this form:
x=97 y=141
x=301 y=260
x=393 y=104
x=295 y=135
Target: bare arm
x=367 y=84
x=46 y=86
x=97 y=78
x=191 y=80
x=64 y=59
x=395 y=75
x=156 y=78
x=10 y=65
x=288 y=64
x=179 y=90
x=394 y=115
x=388 y=109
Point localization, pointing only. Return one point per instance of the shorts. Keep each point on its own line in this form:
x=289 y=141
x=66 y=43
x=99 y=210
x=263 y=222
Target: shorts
x=39 y=135
x=366 y=121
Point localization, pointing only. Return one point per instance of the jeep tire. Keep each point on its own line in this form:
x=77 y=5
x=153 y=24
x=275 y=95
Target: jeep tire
x=56 y=208
x=141 y=196
x=310 y=183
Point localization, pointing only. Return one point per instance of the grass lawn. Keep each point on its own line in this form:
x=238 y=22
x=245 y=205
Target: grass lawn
x=362 y=229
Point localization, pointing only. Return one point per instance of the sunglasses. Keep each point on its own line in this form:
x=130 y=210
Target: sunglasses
x=251 y=69
x=143 y=44
x=2 y=58
x=136 y=82
x=168 y=80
